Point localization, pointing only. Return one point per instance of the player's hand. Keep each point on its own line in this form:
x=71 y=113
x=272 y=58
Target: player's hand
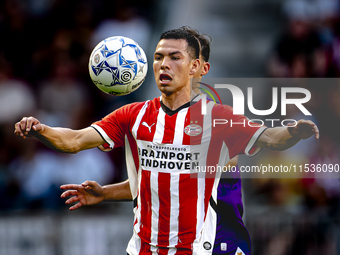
x=87 y=193
x=28 y=127
x=304 y=129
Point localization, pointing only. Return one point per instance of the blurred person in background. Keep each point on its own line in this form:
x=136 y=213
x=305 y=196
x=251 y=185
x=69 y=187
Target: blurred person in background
x=307 y=49
x=16 y=98
x=45 y=53
x=63 y=99
x=294 y=50
x=124 y=21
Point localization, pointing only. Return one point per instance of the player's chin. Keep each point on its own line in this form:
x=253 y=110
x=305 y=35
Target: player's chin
x=166 y=89
x=163 y=87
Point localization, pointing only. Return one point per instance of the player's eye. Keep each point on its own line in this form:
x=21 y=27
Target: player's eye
x=157 y=58
x=174 y=58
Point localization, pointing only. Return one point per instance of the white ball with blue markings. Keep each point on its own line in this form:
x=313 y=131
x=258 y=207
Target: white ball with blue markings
x=118 y=65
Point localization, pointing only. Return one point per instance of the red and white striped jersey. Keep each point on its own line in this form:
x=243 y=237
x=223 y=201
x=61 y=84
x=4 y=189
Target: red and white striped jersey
x=167 y=160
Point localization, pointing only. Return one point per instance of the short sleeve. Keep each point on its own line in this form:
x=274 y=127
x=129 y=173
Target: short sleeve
x=116 y=125
x=239 y=133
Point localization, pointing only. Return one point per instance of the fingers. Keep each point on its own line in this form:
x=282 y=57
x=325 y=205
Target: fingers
x=309 y=127
x=25 y=125
x=29 y=122
x=21 y=127
x=71 y=186
x=87 y=183
x=76 y=206
x=37 y=127
x=90 y=185
x=71 y=200
x=18 y=130
x=316 y=131
x=69 y=193
x=314 y=128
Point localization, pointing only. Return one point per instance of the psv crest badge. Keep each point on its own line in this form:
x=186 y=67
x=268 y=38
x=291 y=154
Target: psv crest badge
x=193 y=130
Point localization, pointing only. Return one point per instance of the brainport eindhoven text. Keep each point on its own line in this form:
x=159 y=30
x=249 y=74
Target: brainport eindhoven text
x=169 y=158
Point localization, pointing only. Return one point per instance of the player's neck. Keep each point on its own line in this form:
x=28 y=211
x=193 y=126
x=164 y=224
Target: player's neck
x=177 y=99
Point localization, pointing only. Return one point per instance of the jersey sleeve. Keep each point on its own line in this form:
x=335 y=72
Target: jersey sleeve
x=115 y=126
x=239 y=133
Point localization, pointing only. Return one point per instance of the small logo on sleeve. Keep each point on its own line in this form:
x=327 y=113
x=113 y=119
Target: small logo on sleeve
x=207 y=245
x=223 y=246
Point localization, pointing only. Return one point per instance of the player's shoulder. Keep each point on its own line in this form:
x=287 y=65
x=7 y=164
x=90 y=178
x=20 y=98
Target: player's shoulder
x=137 y=106
x=133 y=106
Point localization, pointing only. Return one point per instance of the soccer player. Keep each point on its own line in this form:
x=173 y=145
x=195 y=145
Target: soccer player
x=231 y=234
x=174 y=213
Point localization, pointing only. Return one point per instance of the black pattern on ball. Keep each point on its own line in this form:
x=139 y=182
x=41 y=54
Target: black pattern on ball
x=126 y=76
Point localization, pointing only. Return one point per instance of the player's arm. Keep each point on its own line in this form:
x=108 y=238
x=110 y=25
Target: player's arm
x=282 y=138
x=59 y=139
x=117 y=191
x=90 y=193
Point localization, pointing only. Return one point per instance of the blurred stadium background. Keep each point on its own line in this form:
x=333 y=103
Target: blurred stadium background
x=44 y=49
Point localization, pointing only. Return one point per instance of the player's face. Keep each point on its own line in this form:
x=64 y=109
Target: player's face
x=173 y=66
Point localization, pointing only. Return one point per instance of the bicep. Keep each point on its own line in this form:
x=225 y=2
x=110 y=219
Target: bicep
x=88 y=138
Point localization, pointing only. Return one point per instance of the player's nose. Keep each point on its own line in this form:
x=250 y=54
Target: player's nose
x=165 y=64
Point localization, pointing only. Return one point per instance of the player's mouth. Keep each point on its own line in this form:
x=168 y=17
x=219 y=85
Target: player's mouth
x=165 y=78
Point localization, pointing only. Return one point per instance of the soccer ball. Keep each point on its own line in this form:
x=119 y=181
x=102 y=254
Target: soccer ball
x=118 y=65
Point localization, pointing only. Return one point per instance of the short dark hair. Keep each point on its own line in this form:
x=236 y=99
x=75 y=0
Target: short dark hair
x=203 y=39
x=180 y=33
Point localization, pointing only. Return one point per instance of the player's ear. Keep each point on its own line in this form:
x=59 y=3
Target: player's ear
x=206 y=68
x=195 y=66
